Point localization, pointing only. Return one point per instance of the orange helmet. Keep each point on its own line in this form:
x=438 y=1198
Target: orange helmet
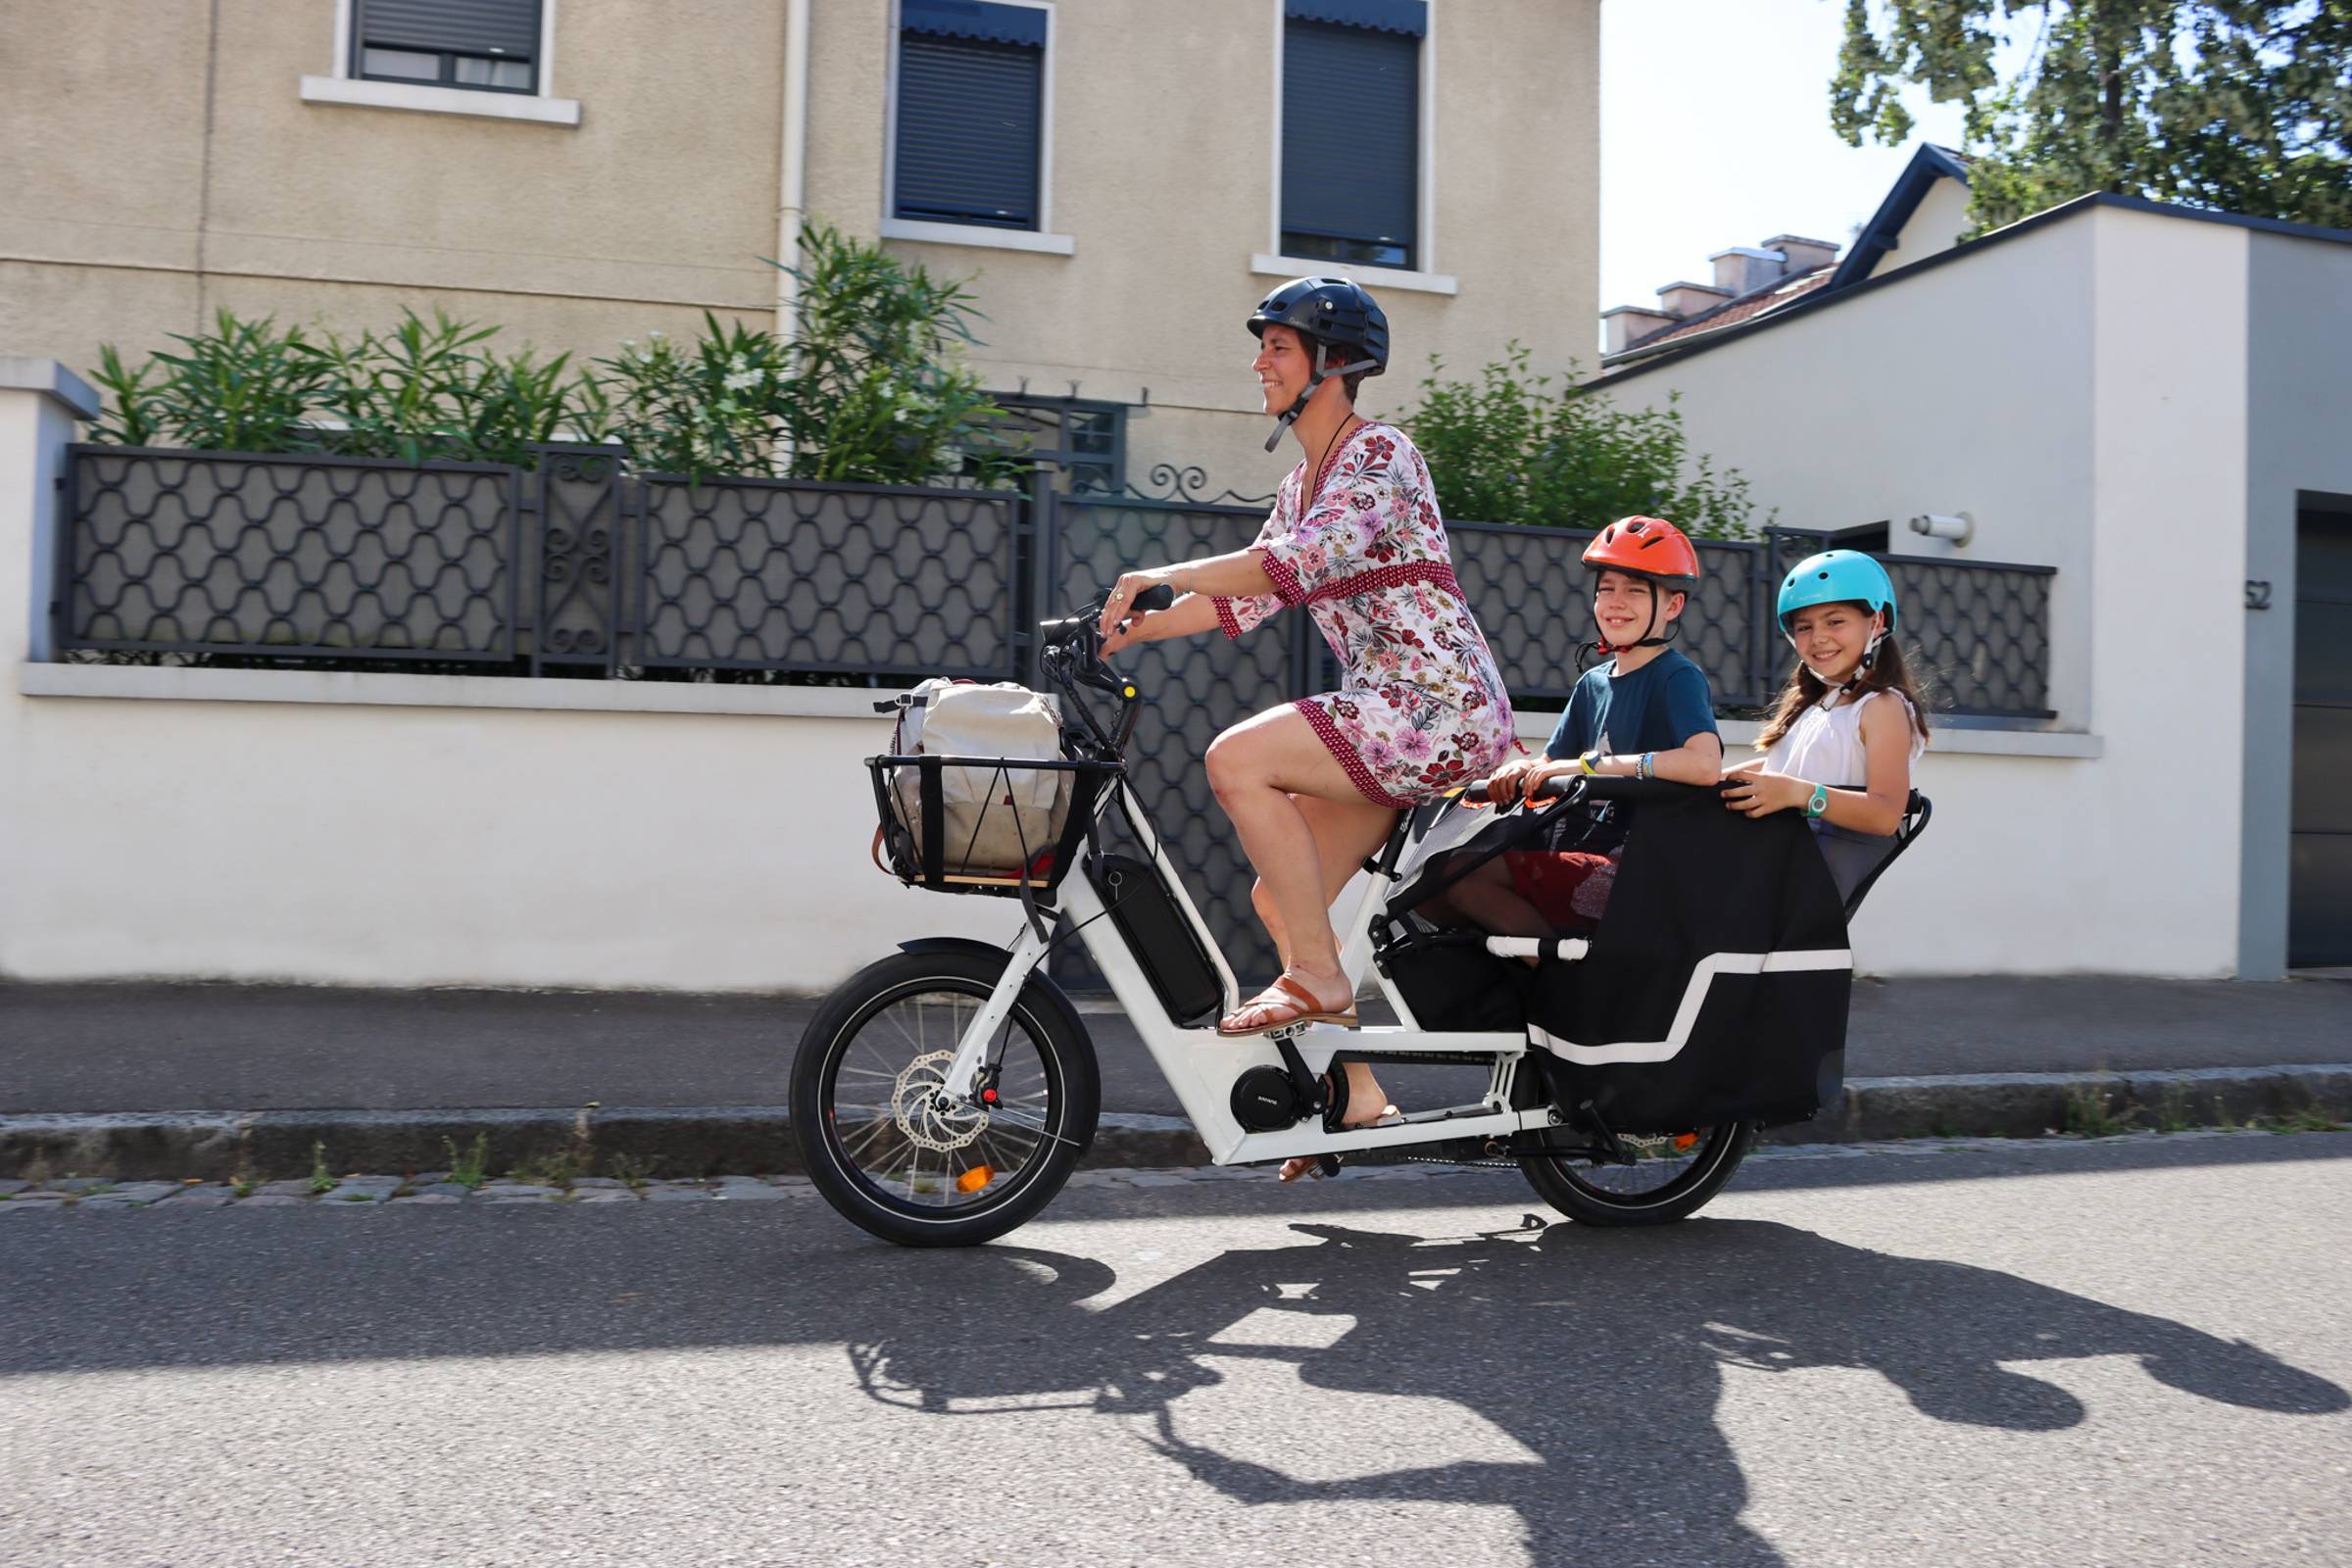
x=1646 y=547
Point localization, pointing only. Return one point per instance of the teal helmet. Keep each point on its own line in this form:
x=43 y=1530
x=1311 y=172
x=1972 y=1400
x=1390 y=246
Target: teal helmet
x=1835 y=577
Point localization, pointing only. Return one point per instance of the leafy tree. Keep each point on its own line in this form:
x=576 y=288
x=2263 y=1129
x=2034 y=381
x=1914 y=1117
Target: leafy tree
x=2240 y=105
x=1507 y=448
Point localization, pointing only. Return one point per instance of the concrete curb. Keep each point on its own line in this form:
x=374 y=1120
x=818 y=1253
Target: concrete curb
x=751 y=1140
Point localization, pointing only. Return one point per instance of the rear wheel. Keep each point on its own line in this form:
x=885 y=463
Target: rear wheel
x=1670 y=1179
x=893 y=1154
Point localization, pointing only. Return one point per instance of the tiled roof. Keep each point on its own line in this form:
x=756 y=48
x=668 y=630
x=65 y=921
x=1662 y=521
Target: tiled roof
x=1732 y=312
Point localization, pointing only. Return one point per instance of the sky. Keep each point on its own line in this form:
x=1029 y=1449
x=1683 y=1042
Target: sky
x=1715 y=131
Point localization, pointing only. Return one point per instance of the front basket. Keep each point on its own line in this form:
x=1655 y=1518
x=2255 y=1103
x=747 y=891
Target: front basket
x=989 y=848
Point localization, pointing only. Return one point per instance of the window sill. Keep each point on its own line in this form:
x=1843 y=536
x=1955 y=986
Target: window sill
x=978 y=236
x=417 y=97
x=1381 y=276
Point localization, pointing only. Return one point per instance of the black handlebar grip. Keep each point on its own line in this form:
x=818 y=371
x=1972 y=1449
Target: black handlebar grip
x=1159 y=597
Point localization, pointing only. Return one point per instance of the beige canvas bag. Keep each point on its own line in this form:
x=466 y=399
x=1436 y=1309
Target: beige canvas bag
x=993 y=822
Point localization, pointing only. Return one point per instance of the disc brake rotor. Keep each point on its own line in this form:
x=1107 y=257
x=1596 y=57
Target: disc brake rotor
x=923 y=1116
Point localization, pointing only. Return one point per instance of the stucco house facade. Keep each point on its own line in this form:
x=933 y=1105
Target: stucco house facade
x=1122 y=180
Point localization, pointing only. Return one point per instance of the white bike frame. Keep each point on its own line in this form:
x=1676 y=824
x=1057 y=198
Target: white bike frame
x=1202 y=1065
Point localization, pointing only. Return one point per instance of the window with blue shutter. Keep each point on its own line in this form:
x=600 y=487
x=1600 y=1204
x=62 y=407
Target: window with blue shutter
x=970 y=113
x=1351 y=130
x=488 y=45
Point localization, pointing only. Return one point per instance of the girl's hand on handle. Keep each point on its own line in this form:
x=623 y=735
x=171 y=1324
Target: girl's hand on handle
x=1750 y=791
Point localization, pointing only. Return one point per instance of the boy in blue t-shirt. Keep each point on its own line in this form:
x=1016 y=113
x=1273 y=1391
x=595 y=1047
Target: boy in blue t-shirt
x=1649 y=713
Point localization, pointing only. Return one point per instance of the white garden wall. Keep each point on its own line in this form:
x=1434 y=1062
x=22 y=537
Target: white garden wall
x=363 y=841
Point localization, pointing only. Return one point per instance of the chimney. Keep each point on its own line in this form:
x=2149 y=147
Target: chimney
x=1691 y=299
x=1627 y=323
x=1745 y=269
x=1804 y=253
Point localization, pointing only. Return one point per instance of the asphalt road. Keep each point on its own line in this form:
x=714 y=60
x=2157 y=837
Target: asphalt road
x=2063 y=1354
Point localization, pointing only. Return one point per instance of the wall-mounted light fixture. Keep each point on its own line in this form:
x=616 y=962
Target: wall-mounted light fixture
x=1957 y=526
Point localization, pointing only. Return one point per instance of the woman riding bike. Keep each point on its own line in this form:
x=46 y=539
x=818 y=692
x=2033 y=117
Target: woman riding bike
x=1314 y=786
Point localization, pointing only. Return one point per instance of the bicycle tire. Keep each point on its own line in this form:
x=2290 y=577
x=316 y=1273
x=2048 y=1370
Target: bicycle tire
x=1559 y=1182
x=920 y=1216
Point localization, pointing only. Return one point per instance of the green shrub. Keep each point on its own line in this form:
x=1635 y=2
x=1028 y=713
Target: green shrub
x=425 y=390
x=873 y=388
x=245 y=386
x=1508 y=448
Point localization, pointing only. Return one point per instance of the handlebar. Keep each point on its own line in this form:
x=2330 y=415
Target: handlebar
x=1073 y=657
x=1609 y=787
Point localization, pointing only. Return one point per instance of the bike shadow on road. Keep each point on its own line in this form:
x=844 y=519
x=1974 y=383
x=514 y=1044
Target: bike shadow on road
x=1601 y=1353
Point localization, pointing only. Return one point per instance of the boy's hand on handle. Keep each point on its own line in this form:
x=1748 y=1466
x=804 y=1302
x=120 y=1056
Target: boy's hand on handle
x=1750 y=791
x=1513 y=781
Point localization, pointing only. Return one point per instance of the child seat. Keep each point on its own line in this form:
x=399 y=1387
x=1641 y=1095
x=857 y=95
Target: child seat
x=1714 y=988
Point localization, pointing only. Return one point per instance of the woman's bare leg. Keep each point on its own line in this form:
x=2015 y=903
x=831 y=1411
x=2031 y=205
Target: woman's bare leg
x=1345 y=833
x=1338 y=830
x=1257 y=768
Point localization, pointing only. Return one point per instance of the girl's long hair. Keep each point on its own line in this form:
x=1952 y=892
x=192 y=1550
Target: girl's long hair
x=1888 y=672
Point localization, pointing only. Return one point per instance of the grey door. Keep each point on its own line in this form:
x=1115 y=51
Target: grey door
x=2318 y=925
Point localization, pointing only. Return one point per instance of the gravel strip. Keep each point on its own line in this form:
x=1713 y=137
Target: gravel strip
x=375 y=1191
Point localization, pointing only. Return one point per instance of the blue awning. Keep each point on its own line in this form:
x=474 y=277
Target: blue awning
x=975 y=20
x=1409 y=16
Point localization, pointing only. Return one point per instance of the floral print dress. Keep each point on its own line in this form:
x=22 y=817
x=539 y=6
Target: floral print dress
x=1421 y=707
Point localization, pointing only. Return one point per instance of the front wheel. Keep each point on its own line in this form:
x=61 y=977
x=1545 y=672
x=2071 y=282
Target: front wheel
x=892 y=1154
x=1670 y=1178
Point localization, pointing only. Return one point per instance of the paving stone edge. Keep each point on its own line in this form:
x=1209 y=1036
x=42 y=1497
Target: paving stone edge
x=742 y=1141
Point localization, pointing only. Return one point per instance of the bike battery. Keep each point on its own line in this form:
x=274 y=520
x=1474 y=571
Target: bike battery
x=1148 y=916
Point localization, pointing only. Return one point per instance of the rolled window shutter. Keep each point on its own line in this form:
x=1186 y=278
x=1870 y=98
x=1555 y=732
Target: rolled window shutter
x=1409 y=16
x=1351 y=133
x=970 y=131
x=507 y=29
x=975 y=20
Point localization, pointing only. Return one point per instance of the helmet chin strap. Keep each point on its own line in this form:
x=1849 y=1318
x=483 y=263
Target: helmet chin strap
x=1870 y=656
x=1602 y=648
x=1321 y=373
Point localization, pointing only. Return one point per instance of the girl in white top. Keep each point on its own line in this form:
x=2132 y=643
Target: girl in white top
x=1841 y=740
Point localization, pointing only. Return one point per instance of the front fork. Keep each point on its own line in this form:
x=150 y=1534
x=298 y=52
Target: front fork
x=972 y=1051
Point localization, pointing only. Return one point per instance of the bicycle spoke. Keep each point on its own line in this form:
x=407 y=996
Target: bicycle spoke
x=946 y=1142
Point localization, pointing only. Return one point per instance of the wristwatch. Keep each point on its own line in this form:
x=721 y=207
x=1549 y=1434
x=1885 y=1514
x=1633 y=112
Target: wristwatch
x=1818 y=803
x=1590 y=761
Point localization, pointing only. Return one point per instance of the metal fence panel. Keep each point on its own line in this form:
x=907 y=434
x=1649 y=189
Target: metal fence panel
x=1982 y=630
x=224 y=553
x=864 y=579
x=578 y=601
x=1192 y=689
x=1533 y=597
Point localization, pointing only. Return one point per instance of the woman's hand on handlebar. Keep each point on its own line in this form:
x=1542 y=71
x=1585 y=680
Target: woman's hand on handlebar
x=1119 y=604
x=1147 y=615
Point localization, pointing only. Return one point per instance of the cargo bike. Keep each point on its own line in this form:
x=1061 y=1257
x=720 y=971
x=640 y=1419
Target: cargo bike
x=942 y=1095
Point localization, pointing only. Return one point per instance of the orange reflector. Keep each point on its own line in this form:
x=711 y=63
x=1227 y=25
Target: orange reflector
x=972 y=1181
x=1683 y=1140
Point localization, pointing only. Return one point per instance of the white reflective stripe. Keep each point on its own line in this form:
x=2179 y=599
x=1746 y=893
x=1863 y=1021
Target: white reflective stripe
x=1571 y=948
x=1694 y=997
